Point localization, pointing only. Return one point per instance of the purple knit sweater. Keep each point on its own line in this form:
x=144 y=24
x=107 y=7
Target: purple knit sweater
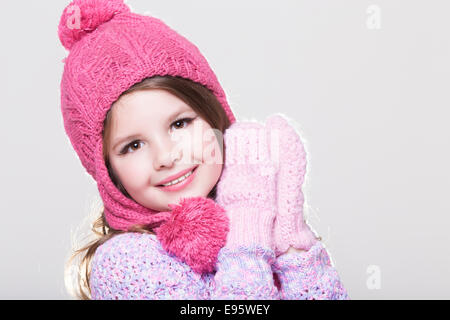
x=135 y=266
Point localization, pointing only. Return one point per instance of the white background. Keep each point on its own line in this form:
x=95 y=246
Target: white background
x=372 y=106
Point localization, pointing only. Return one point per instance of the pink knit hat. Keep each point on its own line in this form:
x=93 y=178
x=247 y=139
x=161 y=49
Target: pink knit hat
x=111 y=49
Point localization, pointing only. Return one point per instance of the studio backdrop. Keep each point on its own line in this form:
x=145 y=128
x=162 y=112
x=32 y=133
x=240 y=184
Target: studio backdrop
x=367 y=83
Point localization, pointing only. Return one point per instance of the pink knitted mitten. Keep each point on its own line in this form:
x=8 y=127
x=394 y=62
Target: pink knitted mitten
x=247 y=186
x=290 y=227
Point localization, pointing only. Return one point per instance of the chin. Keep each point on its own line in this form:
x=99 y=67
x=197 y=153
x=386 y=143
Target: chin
x=190 y=193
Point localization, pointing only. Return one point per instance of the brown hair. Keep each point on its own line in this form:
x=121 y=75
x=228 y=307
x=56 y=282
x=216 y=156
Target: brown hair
x=206 y=105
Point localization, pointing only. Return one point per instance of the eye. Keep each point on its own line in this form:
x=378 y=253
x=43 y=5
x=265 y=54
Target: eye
x=180 y=121
x=134 y=145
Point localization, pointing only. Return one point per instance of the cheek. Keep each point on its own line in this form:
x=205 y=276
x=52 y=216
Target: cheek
x=215 y=170
x=209 y=149
x=212 y=161
x=131 y=171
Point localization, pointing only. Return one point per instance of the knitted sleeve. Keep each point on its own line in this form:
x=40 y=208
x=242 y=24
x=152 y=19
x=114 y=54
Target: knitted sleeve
x=133 y=266
x=244 y=273
x=309 y=276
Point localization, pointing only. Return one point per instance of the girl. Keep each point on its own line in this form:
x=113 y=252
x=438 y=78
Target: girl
x=188 y=214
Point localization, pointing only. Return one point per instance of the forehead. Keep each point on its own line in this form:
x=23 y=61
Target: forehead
x=154 y=102
x=145 y=106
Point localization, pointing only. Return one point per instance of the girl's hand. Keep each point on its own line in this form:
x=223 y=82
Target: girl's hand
x=247 y=186
x=290 y=230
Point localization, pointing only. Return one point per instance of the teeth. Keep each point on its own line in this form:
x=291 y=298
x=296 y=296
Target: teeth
x=178 y=180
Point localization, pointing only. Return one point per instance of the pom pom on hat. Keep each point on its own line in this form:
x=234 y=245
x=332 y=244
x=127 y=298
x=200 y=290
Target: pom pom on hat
x=195 y=232
x=84 y=16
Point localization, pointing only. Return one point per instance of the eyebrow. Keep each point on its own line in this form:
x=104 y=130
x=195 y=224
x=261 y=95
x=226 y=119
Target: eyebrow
x=135 y=136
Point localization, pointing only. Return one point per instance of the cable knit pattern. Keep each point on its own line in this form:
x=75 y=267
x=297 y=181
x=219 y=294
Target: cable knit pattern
x=134 y=266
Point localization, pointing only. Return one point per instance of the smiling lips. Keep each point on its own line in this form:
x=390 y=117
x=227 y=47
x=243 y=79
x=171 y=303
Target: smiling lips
x=178 y=181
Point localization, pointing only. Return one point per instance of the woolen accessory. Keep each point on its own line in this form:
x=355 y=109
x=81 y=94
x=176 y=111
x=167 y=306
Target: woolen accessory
x=247 y=186
x=195 y=232
x=290 y=228
x=112 y=49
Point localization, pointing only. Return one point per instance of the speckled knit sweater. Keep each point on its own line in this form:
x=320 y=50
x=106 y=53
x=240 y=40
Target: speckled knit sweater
x=135 y=266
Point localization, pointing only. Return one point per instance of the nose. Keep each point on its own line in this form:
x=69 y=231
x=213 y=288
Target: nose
x=166 y=152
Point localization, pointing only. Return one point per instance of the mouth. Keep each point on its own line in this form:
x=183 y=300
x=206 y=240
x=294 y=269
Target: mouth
x=180 y=182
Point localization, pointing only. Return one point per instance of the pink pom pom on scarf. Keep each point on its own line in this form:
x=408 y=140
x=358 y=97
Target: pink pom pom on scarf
x=195 y=232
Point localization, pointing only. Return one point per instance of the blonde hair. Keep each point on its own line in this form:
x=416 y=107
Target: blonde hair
x=206 y=105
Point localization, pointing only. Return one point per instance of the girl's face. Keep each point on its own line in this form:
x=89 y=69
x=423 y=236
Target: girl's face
x=154 y=135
